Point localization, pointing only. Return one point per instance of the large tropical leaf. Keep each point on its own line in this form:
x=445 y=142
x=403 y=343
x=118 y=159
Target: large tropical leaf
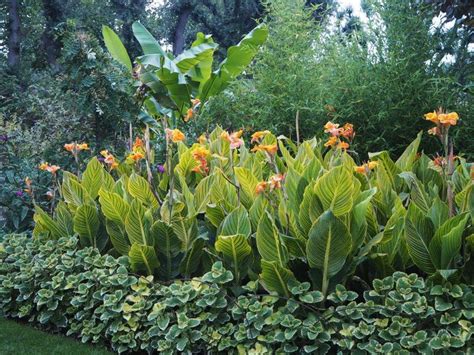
x=408 y=157
x=248 y=182
x=148 y=43
x=189 y=59
x=237 y=222
x=143 y=258
x=192 y=259
x=236 y=251
x=238 y=57
x=55 y=229
x=447 y=241
x=139 y=188
x=118 y=236
x=418 y=234
x=168 y=246
x=114 y=207
x=92 y=177
x=86 y=224
x=73 y=192
x=138 y=224
x=335 y=190
x=115 y=47
x=359 y=217
x=202 y=194
x=328 y=246
x=309 y=210
x=269 y=243
x=418 y=194
x=275 y=278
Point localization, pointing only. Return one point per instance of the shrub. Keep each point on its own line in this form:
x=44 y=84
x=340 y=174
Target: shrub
x=94 y=297
x=310 y=214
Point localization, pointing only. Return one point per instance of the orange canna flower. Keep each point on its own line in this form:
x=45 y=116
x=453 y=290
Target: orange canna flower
x=104 y=153
x=332 y=128
x=195 y=102
x=275 y=181
x=365 y=168
x=110 y=160
x=373 y=164
x=53 y=169
x=449 y=119
x=138 y=144
x=43 y=166
x=258 y=136
x=136 y=156
x=200 y=153
x=189 y=115
x=28 y=181
x=432 y=116
x=343 y=145
x=175 y=135
x=233 y=138
x=261 y=187
x=347 y=131
x=332 y=141
x=69 y=146
x=435 y=131
x=225 y=136
x=270 y=148
x=202 y=168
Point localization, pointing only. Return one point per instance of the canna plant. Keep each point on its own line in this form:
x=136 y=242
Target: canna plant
x=272 y=210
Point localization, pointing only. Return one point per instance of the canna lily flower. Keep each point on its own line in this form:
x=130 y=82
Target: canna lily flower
x=343 y=145
x=136 y=156
x=53 y=169
x=233 y=138
x=195 y=102
x=138 y=144
x=449 y=119
x=435 y=131
x=261 y=187
x=104 y=153
x=275 y=181
x=109 y=159
x=332 y=128
x=432 y=116
x=365 y=168
x=189 y=115
x=74 y=147
x=43 y=166
x=200 y=153
x=259 y=135
x=202 y=168
x=175 y=135
x=270 y=148
x=332 y=141
x=347 y=131
x=83 y=146
x=69 y=147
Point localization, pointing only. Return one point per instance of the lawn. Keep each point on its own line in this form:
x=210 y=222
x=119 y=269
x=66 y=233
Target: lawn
x=18 y=339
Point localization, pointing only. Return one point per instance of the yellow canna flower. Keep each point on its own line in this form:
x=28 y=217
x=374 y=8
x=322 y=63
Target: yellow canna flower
x=138 y=144
x=449 y=119
x=189 y=115
x=200 y=153
x=432 y=116
x=202 y=139
x=44 y=166
x=343 y=145
x=261 y=187
x=258 y=136
x=270 y=148
x=136 y=156
x=365 y=168
x=332 y=141
x=175 y=135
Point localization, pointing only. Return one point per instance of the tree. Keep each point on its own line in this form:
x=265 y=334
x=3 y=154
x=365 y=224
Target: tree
x=14 y=35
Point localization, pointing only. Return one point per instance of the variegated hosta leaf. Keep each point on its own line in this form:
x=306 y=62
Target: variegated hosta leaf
x=113 y=206
x=418 y=234
x=236 y=252
x=335 y=190
x=237 y=222
x=275 y=278
x=248 y=183
x=138 y=224
x=269 y=243
x=447 y=241
x=328 y=246
x=139 y=188
x=143 y=258
x=86 y=224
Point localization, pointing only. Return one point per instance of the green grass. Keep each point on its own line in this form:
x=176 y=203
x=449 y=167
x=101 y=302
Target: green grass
x=19 y=339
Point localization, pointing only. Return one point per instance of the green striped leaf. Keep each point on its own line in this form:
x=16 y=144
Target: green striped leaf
x=335 y=189
x=114 y=207
x=275 y=278
x=139 y=188
x=86 y=224
x=143 y=258
x=138 y=224
x=236 y=252
x=269 y=243
x=93 y=177
x=237 y=222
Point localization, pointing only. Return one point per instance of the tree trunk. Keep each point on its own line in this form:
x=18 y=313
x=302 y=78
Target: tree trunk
x=51 y=47
x=179 y=32
x=14 y=37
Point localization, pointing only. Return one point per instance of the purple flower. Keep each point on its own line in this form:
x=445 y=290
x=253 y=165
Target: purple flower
x=101 y=159
x=19 y=193
x=4 y=138
x=160 y=168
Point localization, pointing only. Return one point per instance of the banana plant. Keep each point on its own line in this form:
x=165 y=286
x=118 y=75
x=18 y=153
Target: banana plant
x=173 y=82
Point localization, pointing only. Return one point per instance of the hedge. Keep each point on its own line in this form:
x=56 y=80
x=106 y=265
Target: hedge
x=94 y=297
